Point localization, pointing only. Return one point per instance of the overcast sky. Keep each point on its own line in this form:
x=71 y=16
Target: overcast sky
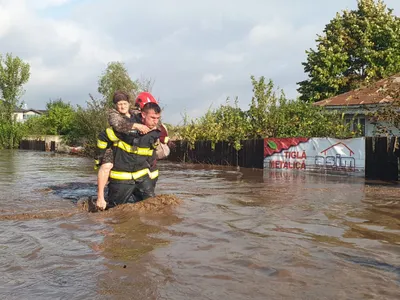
x=197 y=52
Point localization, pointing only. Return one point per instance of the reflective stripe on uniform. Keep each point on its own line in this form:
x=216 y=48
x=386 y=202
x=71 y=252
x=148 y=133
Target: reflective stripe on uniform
x=153 y=174
x=166 y=139
x=101 y=144
x=128 y=175
x=111 y=135
x=136 y=150
x=96 y=164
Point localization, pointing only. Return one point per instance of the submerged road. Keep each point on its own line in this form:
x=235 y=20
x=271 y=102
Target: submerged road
x=234 y=235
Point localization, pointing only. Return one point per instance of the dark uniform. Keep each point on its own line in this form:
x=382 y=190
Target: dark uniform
x=123 y=124
x=134 y=160
x=119 y=123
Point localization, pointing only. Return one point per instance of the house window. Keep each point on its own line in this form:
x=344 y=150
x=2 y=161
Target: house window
x=26 y=117
x=356 y=123
x=361 y=121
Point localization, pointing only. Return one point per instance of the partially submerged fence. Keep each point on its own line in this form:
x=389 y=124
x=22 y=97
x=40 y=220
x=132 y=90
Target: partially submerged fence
x=37 y=145
x=382 y=158
x=40 y=143
x=369 y=157
x=249 y=156
x=32 y=145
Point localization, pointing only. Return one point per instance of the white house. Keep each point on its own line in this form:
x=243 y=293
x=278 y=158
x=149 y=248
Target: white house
x=357 y=104
x=21 y=115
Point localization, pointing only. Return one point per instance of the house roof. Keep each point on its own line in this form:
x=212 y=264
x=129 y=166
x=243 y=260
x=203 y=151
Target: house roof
x=371 y=94
x=22 y=110
x=37 y=111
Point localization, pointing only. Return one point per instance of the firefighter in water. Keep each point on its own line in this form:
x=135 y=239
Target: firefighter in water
x=133 y=154
x=162 y=150
x=125 y=122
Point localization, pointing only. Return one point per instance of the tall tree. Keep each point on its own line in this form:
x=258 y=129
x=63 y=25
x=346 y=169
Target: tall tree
x=115 y=77
x=60 y=117
x=14 y=73
x=87 y=124
x=263 y=112
x=58 y=120
x=357 y=47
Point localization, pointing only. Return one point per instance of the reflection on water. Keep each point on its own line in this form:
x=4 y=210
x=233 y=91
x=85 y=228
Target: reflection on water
x=237 y=234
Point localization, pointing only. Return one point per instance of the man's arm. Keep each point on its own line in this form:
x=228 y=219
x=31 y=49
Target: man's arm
x=124 y=125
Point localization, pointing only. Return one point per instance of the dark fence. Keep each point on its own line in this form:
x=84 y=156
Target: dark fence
x=382 y=158
x=32 y=145
x=251 y=155
x=381 y=154
x=381 y=162
x=37 y=145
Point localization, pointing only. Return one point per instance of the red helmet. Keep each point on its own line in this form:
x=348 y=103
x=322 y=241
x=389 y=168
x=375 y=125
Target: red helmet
x=143 y=98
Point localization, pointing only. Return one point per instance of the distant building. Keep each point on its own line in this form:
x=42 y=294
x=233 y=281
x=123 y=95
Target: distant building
x=358 y=103
x=21 y=115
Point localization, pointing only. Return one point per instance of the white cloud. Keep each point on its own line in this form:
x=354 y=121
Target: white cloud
x=211 y=78
x=211 y=25
x=261 y=34
x=11 y=12
x=42 y=4
x=224 y=57
x=42 y=75
x=69 y=43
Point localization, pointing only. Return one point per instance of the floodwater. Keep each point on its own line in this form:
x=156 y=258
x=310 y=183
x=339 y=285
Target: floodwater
x=234 y=235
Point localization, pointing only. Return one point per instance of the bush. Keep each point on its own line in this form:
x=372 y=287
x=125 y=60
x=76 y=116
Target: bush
x=270 y=114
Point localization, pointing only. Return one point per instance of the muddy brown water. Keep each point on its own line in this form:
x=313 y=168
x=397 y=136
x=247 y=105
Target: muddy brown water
x=212 y=233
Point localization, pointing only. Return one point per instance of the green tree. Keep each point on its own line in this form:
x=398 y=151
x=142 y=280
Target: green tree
x=189 y=131
x=89 y=121
x=14 y=73
x=10 y=134
x=60 y=117
x=36 y=125
x=263 y=113
x=357 y=46
x=226 y=123
x=303 y=119
x=270 y=115
x=87 y=124
x=234 y=124
x=115 y=77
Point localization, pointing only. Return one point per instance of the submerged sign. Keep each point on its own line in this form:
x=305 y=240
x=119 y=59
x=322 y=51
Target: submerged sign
x=326 y=155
